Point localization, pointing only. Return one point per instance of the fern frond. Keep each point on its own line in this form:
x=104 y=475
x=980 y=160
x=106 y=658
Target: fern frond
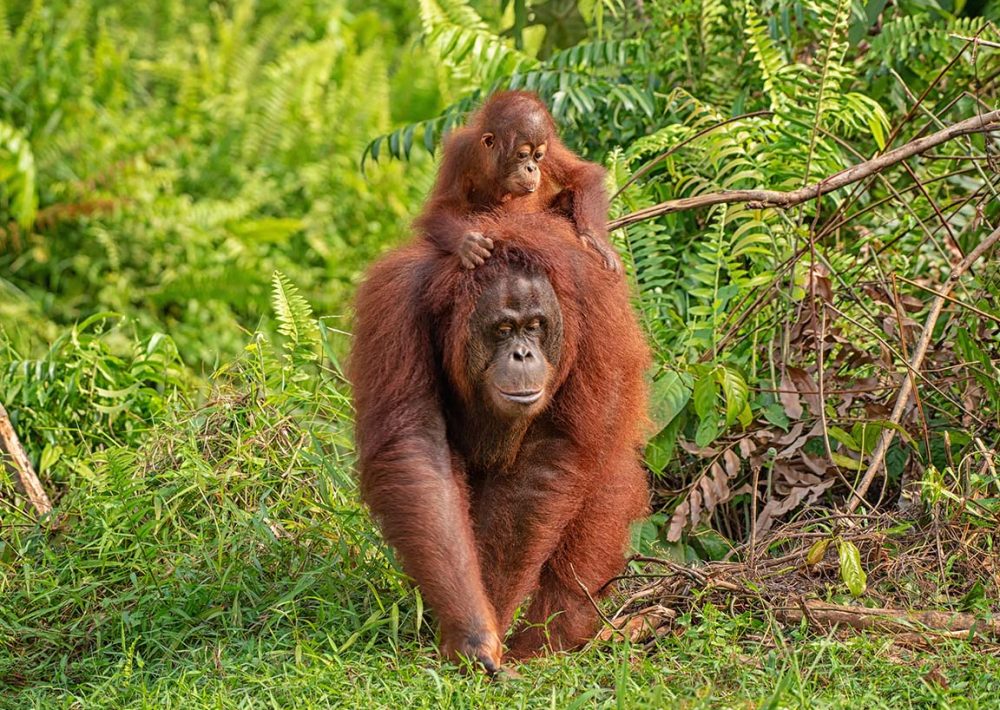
x=295 y=318
x=5 y=36
x=834 y=19
x=769 y=59
x=17 y=176
x=461 y=38
x=906 y=36
x=602 y=53
x=575 y=82
x=710 y=19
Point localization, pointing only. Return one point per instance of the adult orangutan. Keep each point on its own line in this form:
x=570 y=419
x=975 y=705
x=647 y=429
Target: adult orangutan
x=509 y=155
x=500 y=413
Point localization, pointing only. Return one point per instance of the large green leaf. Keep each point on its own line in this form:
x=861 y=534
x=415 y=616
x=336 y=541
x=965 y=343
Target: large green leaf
x=668 y=395
x=850 y=567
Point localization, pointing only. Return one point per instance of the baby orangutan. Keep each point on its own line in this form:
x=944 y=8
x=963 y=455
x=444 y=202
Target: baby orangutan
x=508 y=156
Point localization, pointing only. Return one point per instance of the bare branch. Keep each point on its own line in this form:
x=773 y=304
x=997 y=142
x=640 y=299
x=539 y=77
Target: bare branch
x=892 y=621
x=19 y=462
x=976 y=40
x=759 y=199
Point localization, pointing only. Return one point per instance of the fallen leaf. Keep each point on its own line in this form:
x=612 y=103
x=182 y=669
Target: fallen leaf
x=807 y=388
x=789 y=397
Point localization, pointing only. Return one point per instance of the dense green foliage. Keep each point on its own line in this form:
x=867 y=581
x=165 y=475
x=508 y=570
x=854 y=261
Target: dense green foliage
x=179 y=155
x=189 y=193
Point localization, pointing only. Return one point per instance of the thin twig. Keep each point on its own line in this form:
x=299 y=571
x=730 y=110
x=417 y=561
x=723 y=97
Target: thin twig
x=949 y=299
x=976 y=40
x=597 y=607
x=902 y=400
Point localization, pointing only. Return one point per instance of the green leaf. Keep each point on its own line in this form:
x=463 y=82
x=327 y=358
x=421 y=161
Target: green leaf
x=429 y=137
x=660 y=449
x=668 y=396
x=746 y=416
x=775 y=414
x=899 y=529
x=844 y=438
x=878 y=132
x=408 y=139
x=817 y=551
x=418 y=611
x=708 y=429
x=850 y=567
x=710 y=544
x=50 y=456
x=975 y=599
x=734 y=390
x=705 y=393
x=847 y=462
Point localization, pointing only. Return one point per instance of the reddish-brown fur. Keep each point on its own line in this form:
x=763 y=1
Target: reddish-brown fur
x=470 y=178
x=483 y=516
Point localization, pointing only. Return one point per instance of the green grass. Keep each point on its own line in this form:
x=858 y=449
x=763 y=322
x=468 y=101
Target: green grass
x=712 y=664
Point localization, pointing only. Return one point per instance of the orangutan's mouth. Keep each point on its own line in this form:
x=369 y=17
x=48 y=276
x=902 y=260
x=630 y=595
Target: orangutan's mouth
x=524 y=397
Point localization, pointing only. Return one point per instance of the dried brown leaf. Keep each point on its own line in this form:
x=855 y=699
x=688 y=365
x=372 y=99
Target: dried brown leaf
x=792 y=434
x=732 y=462
x=814 y=464
x=778 y=507
x=789 y=397
x=677 y=522
x=787 y=452
x=694 y=506
x=807 y=388
x=702 y=451
x=709 y=492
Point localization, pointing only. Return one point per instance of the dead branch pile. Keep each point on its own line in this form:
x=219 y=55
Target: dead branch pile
x=924 y=582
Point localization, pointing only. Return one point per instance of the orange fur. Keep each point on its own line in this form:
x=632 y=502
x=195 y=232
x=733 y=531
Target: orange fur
x=470 y=177
x=537 y=510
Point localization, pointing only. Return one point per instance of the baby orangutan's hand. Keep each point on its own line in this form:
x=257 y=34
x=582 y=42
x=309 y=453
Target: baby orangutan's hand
x=611 y=261
x=474 y=249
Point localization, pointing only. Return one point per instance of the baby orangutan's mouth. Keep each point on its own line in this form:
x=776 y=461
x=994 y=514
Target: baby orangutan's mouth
x=523 y=187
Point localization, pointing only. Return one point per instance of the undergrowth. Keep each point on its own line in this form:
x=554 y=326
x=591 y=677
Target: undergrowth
x=215 y=555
